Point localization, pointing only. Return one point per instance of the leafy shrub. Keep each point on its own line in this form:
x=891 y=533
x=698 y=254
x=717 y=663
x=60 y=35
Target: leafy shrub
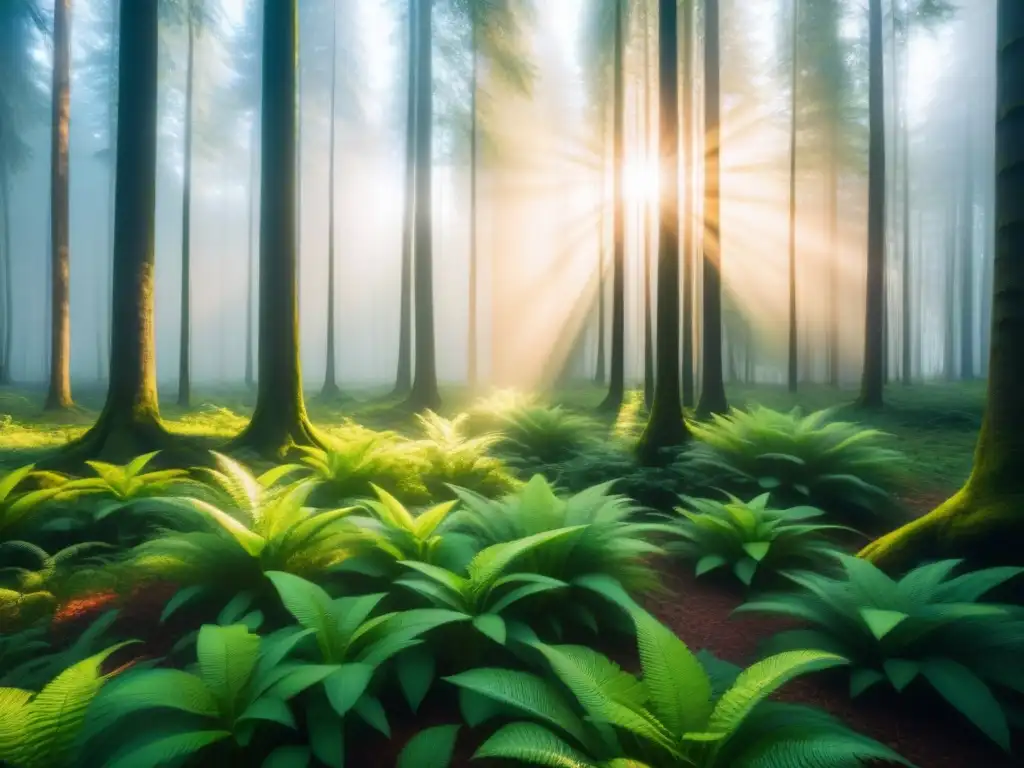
x=279 y=534
x=346 y=469
x=54 y=573
x=542 y=434
x=671 y=715
x=242 y=683
x=833 y=465
x=485 y=416
x=609 y=541
x=39 y=730
x=928 y=625
x=18 y=509
x=453 y=457
x=750 y=537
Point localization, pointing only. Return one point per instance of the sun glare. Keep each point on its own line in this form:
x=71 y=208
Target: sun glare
x=640 y=181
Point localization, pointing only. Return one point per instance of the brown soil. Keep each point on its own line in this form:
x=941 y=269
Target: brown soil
x=929 y=736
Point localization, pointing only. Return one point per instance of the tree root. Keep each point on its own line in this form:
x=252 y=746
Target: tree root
x=272 y=436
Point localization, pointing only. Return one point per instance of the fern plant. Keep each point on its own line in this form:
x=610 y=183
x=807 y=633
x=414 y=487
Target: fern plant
x=833 y=465
x=356 y=645
x=118 y=487
x=454 y=457
x=488 y=590
x=749 y=538
x=233 y=488
x=928 y=626
x=281 y=534
x=39 y=730
x=19 y=509
x=670 y=716
x=241 y=682
x=542 y=434
x=609 y=541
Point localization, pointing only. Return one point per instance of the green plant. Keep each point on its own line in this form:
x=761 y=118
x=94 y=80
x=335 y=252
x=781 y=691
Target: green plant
x=232 y=487
x=346 y=469
x=39 y=730
x=545 y=434
x=927 y=625
x=242 y=682
x=281 y=534
x=487 y=590
x=833 y=465
x=609 y=541
x=750 y=537
x=454 y=457
x=121 y=486
x=356 y=645
x=18 y=509
x=53 y=573
x=670 y=716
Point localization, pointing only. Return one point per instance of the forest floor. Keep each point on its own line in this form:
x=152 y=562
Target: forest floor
x=935 y=425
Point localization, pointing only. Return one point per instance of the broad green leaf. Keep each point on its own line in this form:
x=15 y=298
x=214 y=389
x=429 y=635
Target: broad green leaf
x=901 y=672
x=181 y=598
x=863 y=678
x=227 y=658
x=415 y=670
x=346 y=685
x=970 y=696
x=288 y=757
x=371 y=711
x=430 y=748
x=169 y=688
x=757 y=549
x=882 y=622
x=326 y=734
x=270 y=710
x=709 y=563
x=150 y=753
x=533 y=745
x=311 y=606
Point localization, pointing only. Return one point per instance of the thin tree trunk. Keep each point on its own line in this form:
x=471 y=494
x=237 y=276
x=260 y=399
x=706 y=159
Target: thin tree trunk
x=906 y=345
x=424 y=393
x=115 y=27
x=250 y=379
x=792 y=367
x=5 y=276
x=617 y=377
x=602 y=287
x=689 y=388
x=403 y=377
x=832 y=214
x=279 y=420
x=873 y=380
x=949 y=339
x=471 y=341
x=666 y=427
x=967 y=264
x=982 y=523
x=330 y=389
x=712 y=396
x=59 y=396
x=185 y=335
x=645 y=217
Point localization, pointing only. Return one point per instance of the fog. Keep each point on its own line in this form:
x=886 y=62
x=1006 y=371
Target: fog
x=544 y=192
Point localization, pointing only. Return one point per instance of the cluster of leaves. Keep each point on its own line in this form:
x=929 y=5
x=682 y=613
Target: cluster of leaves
x=750 y=538
x=833 y=465
x=927 y=626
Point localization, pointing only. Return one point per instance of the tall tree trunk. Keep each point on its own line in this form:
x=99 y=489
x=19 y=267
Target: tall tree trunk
x=403 y=377
x=130 y=421
x=185 y=333
x=665 y=427
x=983 y=523
x=59 y=396
x=7 y=315
x=832 y=215
x=873 y=379
x=330 y=389
x=689 y=388
x=791 y=378
x=250 y=379
x=424 y=393
x=115 y=28
x=645 y=217
x=949 y=339
x=712 y=396
x=906 y=315
x=602 y=286
x=967 y=263
x=279 y=419
x=617 y=374
x=471 y=341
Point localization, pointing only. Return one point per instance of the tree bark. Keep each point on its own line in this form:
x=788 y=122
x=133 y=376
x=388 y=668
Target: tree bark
x=279 y=420
x=949 y=338
x=791 y=378
x=689 y=388
x=903 y=124
x=617 y=374
x=983 y=523
x=471 y=341
x=185 y=332
x=330 y=389
x=403 y=377
x=424 y=393
x=665 y=426
x=645 y=217
x=130 y=421
x=250 y=379
x=600 y=366
x=712 y=396
x=873 y=378
x=967 y=263
x=59 y=396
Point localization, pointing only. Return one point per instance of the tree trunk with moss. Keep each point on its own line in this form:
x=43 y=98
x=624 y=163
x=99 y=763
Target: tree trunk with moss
x=712 y=396
x=665 y=427
x=424 y=393
x=617 y=374
x=873 y=377
x=279 y=420
x=984 y=522
x=130 y=421
x=59 y=395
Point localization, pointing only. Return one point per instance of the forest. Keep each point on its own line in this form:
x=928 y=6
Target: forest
x=552 y=383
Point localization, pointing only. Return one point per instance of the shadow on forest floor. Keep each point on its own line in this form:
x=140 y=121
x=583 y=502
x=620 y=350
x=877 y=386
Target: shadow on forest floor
x=936 y=425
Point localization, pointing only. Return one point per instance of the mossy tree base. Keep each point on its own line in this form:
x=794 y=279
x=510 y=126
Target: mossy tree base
x=119 y=436
x=659 y=435
x=272 y=436
x=985 y=529
x=612 y=402
x=421 y=400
